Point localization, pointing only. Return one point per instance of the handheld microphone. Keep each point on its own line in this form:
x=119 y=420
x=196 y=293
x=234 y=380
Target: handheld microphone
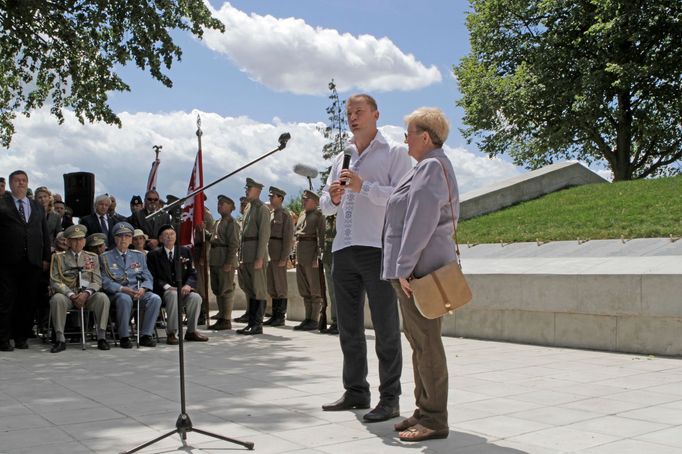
x=346 y=161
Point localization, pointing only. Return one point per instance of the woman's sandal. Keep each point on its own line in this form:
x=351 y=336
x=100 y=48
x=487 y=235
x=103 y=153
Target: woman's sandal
x=421 y=433
x=405 y=424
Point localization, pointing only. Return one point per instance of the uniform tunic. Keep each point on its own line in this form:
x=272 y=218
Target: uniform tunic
x=253 y=246
x=279 y=247
x=309 y=245
x=224 y=247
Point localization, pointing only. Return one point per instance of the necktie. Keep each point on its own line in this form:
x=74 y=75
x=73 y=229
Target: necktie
x=103 y=224
x=124 y=259
x=20 y=204
x=170 y=256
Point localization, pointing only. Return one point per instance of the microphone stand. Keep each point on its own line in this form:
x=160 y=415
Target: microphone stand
x=184 y=423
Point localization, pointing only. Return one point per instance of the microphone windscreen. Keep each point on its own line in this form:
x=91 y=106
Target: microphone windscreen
x=305 y=171
x=283 y=139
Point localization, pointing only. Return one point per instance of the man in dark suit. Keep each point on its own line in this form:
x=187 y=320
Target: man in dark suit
x=101 y=221
x=25 y=247
x=162 y=267
x=150 y=226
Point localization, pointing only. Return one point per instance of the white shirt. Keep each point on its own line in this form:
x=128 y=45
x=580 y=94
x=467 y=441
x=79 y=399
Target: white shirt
x=360 y=215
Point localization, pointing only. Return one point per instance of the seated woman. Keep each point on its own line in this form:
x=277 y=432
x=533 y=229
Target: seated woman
x=139 y=240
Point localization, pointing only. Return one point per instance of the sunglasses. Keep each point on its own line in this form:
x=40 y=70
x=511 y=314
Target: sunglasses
x=152 y=200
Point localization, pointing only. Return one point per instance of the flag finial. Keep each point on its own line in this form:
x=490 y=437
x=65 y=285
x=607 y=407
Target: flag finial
x=199 y=132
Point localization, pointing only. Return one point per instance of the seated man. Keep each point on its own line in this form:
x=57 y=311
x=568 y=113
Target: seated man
x=76 y=280
x=96 y=243
x=162 y=268
x=125 y=277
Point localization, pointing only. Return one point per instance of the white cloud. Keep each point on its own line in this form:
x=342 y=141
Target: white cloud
x=121 y=158
x=287 y=54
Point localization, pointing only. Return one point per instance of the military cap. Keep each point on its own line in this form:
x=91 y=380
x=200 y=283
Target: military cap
x=136 y=200
x=96 y=239
x=139 y=232
x=224 y=198
x=277 y=191
x=122 y=228
x=2 y=179
x=163 y=228
x=250 y=183
x=311 y=195
x=242 y=199
x=75 y=231
x=171 y=198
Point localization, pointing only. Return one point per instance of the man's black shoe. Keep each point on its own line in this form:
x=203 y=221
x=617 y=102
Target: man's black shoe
x=333 y=329
x=102 y=344
x=58 y=347
x=21 y=345
x=346 y=403
x=251 y=330
x=382 y=412
x=6 y=347
x=125 y=343
x=147 y=341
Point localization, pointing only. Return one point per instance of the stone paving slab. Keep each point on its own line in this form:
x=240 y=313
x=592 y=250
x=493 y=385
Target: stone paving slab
x=503 y=399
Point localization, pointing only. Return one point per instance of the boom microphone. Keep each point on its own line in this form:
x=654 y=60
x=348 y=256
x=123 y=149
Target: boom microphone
x=283 y=139
x=305 y=171
x=346 y=161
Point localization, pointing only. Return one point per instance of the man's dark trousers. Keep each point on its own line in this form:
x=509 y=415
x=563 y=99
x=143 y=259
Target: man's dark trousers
x=356 y=270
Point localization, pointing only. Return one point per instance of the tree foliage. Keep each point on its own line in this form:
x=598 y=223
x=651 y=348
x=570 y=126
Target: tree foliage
x=596 y=80
x=335 y=131
x=65 y=52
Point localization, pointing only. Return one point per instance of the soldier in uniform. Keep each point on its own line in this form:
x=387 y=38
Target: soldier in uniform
x=309 y=244
x=253 y=256
x=75 y=280
x=200 y=253
x=223 y=262
x=329 y=234
x=279 y=247
x=125 y=277
x=96 y=243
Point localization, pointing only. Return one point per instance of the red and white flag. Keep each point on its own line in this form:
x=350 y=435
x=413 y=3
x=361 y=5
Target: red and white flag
x=151 y=181
x=193 y=209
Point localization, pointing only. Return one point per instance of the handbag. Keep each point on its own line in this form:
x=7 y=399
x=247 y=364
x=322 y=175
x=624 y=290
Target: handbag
x=442 y=291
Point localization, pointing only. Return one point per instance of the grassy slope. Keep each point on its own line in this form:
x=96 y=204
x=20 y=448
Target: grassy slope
x=633 y=209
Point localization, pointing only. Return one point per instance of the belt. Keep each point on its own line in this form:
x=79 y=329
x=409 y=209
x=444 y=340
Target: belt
x=220 y=245
x=306 y=238
x=250 y=238
x=276 y=238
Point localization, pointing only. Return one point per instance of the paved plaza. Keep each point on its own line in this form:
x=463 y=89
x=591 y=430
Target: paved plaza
x=504 y=399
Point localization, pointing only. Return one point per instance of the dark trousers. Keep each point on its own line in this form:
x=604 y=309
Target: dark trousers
x=19 y=289
x=428 y=362
x=355 y=270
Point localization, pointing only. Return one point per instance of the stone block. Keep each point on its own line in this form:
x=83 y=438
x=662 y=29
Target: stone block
x=585 y=331
x=610 y=294
x=549 y=293
x=495 y=291
x=480 y=324
x=529 y=327
x=656 y=335
x=662 y=295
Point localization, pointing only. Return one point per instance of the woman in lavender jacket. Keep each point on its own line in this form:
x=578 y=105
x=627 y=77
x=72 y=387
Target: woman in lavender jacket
x=418 y=239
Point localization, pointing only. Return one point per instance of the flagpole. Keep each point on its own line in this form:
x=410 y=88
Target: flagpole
x=204 y=251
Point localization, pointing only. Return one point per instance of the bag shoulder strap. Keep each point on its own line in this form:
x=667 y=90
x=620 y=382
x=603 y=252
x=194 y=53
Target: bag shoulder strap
x=452 y=211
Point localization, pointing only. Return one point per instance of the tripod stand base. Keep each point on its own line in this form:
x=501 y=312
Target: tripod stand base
x=184 y=425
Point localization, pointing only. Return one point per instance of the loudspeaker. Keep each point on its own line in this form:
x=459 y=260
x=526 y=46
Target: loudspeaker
x=79 y=192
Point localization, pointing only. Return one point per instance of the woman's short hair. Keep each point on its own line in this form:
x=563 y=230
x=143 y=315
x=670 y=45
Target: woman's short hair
x=433 y=121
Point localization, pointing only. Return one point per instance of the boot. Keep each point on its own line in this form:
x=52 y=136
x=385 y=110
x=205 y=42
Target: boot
x=249 y=317
x=256 y=322
x=244 y=318
x=281 y=313
x=275 y=312
x=221 y=324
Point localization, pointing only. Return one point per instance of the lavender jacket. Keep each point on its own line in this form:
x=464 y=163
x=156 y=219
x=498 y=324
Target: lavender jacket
x=418 y=227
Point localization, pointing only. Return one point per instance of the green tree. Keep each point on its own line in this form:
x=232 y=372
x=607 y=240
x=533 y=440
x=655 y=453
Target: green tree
x=295 y=204
x=596 y=80
x=65 y=52
x=335 y=130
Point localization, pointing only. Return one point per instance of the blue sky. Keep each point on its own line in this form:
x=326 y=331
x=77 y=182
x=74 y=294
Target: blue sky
x=267 y=74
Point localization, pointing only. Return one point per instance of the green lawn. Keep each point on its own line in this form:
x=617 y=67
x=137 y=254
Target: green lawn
x=630 y=209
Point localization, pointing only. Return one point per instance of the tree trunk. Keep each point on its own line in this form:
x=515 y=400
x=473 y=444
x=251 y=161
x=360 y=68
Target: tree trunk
x=623 y=164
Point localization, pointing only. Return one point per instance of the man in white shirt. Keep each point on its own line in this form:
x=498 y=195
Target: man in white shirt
x=358 y=196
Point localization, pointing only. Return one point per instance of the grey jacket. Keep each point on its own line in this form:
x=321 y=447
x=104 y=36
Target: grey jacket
x=418 y=228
